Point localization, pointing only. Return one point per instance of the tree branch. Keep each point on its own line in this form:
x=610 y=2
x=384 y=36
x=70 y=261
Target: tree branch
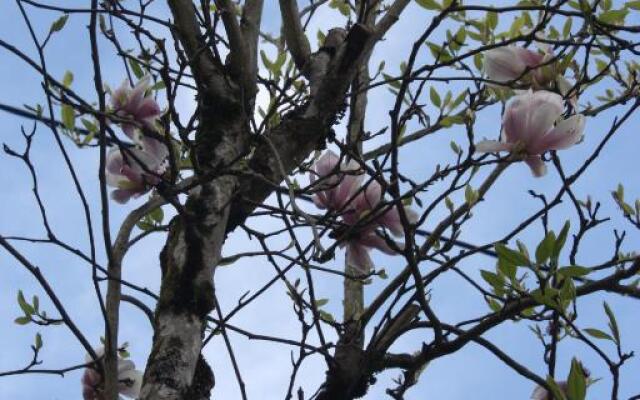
x=294 y=34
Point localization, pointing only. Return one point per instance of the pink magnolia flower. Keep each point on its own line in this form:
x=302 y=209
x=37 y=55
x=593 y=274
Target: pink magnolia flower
x=135 y=172
x=129 y=379
x=366 y=209
x=338 y=183
x=532 y=123
x=362 y=209
x=508 y=63
x=137 y=106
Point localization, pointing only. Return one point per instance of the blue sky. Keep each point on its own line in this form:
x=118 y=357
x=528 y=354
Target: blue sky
x=470 y=373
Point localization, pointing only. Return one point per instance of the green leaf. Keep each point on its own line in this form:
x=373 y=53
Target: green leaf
x=458 y=100
x=265 y=60
x=344 y=9
x=438 y=52
x=157 y=215
x=493 y=304
x=68 y=117
x=566 y=29
x=67 y=80
x=615 y=17
x=225 y=261
x=36 y=303
x=429 y=4
x=547 y=298
x=59 y=24
x=321 y=302
x=560 y=241
x=511 y=256
x=22 y=320
x=627 y=209
x=435 y=97
x=448 y=203
x=38 y=341
x=26 y=307
x=144 y=226
x=613 y=324
x=103 y=23
x=492 y=20
x=89 y=125
x=477 y=61
x=470 y=195
x=325 y=316
x=282 y=57
x=577 y=382
x=575 y=5
x=573 y=271
x=545 y=248
x=493 y=279
x=321 y=38
x=568 y=290
x=507 y=268
x=634 y=5
x=391 y=81
x=450 y=120
x=522 y=248
x=454 y=146
x=598 y=334
x=136 y=68
x=460 y=37
x=158 y=85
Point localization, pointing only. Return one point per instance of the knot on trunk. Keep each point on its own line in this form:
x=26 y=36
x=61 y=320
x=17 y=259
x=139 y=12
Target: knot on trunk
x=203 y=382
x=349 y=375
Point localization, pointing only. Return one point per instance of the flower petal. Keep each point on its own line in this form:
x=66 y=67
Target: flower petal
x=320 y=200
x=528 y=57
x=530 y=115
x=119 y=96
x=369 y=198
x=492 y=146
x=136 y=96
x=113 y=167
x=373 y=240
x=346 y=189
x=539 y=393
x=358 y=257
x=326 y=164
x=565 y=134
x=545 y=108
x=156 y=149
x=514 y=120
x=130 y=383
x=130 y=130
x=125 y=365
x=148 y=109
x=390 y=219
x=123 y=195
x=502 y=65
x=538 y=168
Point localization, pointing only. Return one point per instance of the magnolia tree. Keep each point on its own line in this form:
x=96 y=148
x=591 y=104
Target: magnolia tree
x=305 y=146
